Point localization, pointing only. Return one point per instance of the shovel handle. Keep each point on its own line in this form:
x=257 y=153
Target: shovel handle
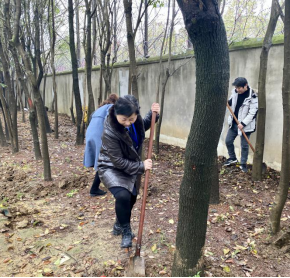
x=147 y=173
x=237 y=121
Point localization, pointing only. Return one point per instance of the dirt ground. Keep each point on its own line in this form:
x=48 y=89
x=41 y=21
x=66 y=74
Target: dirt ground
x=56 y=229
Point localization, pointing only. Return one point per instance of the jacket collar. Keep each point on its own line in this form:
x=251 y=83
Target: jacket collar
x=122 y=131
x=251 y=93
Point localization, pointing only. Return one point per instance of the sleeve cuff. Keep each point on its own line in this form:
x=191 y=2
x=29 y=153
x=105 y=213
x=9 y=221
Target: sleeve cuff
x=243 y=124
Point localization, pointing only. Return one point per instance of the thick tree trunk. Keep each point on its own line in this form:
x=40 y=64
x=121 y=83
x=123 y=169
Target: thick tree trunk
x=205 y=27
x=281 y=195
x=131 y=47
x=80 y=134
x=261 y=121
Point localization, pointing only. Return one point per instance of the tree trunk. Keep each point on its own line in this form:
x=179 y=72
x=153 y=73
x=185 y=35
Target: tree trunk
x=100 y=99
x=215 y=189
x=78 y=33
x=131 y=47
x=205 y=27
x=12 y=101
x=146 y=30
x=7 y=116
x=261 y=121
x=52 y=38
x=39 y=63
x=19 y=93
x=80 y=134
x=91 y=102
x=281 y=195
x=3 y=142
x=72 y=108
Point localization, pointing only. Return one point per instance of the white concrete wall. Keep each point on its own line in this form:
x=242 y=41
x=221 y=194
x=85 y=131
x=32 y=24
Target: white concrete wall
x=180 y=96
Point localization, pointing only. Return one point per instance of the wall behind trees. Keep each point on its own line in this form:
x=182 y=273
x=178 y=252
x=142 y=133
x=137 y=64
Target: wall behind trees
x=180 y=93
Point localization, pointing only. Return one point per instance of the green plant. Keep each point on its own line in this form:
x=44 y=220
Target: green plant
x=197 y=274
x=72 y=193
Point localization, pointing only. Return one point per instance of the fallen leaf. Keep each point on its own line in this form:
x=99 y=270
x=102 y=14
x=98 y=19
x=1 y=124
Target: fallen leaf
x=226 y=251
x=226 y=269
x=154 y=247
x=171 y=221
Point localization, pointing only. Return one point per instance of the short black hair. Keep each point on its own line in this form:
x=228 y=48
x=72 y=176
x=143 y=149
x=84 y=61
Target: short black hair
x=127 y=105
x=240 y=82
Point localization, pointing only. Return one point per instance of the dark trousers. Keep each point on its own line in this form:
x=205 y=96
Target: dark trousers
x=96 y=184
x=125 y=201
x=231 y=136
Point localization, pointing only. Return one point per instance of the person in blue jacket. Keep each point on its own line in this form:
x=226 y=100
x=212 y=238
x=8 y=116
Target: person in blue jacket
x=94 y=141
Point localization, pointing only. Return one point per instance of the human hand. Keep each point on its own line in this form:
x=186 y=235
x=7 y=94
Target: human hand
x=147 y=164
x=155 y=107
x=240 y=126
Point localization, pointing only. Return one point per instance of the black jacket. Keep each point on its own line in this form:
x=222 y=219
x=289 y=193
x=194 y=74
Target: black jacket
x=119 y=163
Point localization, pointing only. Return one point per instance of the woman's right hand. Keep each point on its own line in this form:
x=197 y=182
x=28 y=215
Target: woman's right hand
x=147 y=164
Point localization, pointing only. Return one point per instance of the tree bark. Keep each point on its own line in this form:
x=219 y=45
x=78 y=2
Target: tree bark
x=12 y=101
x=261 y=121
x=146 y=31
x=78 y=33
x=282 y=193
x=205 y=27
x=79 y=111
x=52 y=37
x=3 y=142
x=131 y=47
x=91 y=102
x=215 y=189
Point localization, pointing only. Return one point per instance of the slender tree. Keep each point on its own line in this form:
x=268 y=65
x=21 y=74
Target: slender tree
x=89 y=60
x=282 y=193
x=3 y=142
x=52 y=38
x=205 y=27
x=261 y=121
x=12 y=106
x=78 y=103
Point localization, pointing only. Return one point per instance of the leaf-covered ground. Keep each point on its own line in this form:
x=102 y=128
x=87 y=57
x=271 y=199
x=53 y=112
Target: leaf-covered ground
x=56 y=229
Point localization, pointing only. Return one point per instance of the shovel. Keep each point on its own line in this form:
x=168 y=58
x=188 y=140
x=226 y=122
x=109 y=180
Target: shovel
x=136 y=266
x=264 y=166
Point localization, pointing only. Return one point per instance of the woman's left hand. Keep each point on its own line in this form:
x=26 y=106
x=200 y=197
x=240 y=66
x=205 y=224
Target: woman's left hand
x=155 y=108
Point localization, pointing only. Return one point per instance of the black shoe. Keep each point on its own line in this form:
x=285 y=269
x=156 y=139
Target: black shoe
x=126 y=236
x=244 y=168
x=230 y=161
x=99 y=192
x=117 y=230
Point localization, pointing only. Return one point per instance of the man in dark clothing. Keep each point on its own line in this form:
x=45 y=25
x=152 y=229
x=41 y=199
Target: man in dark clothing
x=244 y=103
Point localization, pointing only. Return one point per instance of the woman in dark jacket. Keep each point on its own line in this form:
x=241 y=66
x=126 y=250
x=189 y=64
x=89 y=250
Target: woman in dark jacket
x=120 y=165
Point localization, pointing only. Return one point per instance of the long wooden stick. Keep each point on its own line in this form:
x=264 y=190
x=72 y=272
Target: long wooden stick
x=237 y=121
x=142 y=215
